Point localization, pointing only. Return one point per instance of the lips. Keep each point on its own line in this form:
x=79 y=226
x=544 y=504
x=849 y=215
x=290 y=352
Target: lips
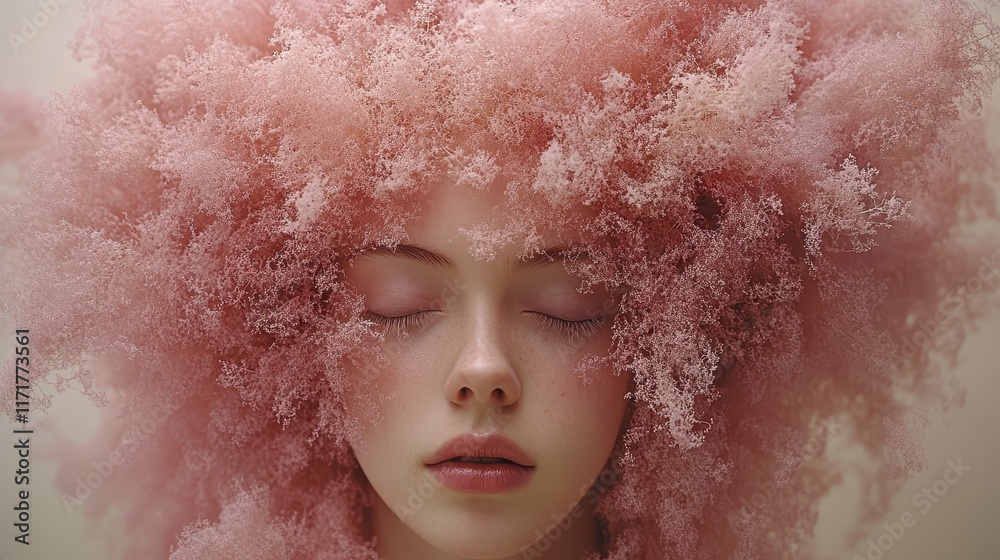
x=482 y=449
x=475 y=464
x=481 y=460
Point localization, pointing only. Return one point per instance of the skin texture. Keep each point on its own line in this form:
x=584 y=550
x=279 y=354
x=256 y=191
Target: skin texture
x=484 y=362
x=784 y=185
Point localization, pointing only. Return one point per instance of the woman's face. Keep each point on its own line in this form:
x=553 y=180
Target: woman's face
x=480 y=348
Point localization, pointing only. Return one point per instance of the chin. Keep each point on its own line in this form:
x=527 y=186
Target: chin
x=484 y=539
x=480 y=548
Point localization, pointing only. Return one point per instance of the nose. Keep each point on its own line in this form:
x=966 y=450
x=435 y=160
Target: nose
x=483 y=376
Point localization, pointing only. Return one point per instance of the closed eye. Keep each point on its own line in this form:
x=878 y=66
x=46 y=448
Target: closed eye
x=400 y=324
x=576 y=331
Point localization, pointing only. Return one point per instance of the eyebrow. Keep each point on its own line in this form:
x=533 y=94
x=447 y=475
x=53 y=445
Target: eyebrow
x=437 y=260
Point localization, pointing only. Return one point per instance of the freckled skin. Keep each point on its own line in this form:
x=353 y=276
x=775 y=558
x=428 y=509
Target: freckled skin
x=481 y=364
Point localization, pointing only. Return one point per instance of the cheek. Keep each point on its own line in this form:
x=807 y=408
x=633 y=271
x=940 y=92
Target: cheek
x=595 y=409
x=593 y=396
x=382 y=397
x=583 y=424
x=368 y=399
x=585 y=411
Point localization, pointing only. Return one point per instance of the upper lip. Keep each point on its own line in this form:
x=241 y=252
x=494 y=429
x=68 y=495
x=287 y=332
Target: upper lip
x=473 y=445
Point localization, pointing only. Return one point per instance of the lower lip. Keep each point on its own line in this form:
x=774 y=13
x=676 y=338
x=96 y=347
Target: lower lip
x=481 y=478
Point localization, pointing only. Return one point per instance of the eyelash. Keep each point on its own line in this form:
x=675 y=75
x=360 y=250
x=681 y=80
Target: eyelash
x=400 y=324
x=574 y=330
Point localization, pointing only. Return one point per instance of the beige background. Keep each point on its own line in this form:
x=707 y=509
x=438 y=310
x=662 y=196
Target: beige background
x=962 y=525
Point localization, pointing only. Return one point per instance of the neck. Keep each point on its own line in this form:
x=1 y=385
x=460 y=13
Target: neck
x=573 y=539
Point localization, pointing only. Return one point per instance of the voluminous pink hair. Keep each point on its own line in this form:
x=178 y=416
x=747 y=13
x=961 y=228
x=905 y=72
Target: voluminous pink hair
x=779 y=187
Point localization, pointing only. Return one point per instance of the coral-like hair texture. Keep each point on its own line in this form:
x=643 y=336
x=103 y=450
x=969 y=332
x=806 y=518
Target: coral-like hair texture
x=778 y=188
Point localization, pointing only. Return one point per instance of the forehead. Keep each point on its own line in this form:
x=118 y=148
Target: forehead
x=435 y=259
x=448 y=209
x=459 y=218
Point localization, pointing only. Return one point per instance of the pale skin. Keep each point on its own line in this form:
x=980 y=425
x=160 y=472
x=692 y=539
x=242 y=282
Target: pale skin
x=480 y=352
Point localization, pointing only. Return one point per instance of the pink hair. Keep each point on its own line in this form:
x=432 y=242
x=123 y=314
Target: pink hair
x=778 y=185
